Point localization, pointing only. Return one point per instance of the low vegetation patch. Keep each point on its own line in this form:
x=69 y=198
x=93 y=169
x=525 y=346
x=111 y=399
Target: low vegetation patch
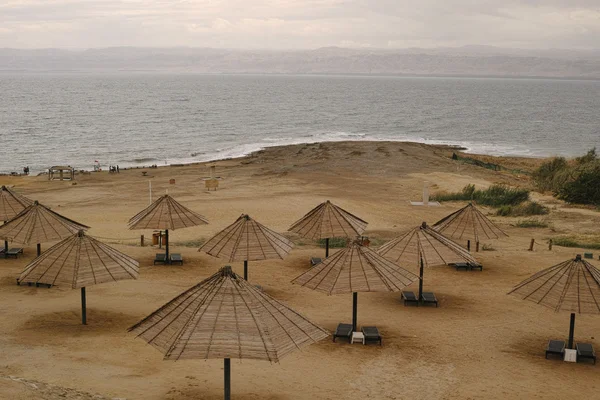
x=532 y=223
x=569 y=241
x=334 y=243
x=522 y=210
x=190 y=243
x=495 y=195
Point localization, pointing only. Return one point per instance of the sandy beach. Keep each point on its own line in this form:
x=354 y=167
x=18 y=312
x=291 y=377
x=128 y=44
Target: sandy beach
x=479 y=344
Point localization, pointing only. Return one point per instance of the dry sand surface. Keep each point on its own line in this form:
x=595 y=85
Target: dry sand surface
x=479 y=344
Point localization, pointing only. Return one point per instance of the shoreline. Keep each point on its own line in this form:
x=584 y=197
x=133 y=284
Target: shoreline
x=256 y=149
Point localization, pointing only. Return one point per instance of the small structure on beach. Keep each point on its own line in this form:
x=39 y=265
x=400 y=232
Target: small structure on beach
x=572 y=286
x=166 y=213
x=77 y=262
x=327 y=221
x=38 y=224
x=425 y=201
x=355 y=269
x=247 y=240
x=225 y=317
x=63 y=172
x=468 y=224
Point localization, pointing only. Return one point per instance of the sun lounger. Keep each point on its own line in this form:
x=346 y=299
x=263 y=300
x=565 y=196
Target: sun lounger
x=371 y=334
x=14 y=252
x=463 y=265
x=556 y=347
x=474 y=266
x=429 y=298
x=160 y=258
x=176 y=258
x=343 y=330
x=410 y=297
x=314 y=261
x=585 y=350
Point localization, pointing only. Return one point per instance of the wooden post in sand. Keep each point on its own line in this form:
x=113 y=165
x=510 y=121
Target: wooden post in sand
x=477 y=247
x=531 y=245
x=550 y=244
x=468 y=245
x=142 y=240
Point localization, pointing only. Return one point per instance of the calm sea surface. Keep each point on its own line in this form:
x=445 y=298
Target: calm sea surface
x=142 y=119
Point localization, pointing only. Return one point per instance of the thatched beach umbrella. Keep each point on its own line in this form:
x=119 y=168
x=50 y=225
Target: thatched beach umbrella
x=226 y=317
x=355 y=269
x=468 y=223
x=424 y=246
x=247 y=240
x=573 y=286
x=327 y=221
x=77 y=262
x=38 y=224
x=166 y=213
x=11 y=204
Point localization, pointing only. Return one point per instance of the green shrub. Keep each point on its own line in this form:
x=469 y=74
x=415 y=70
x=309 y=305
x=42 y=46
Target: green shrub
x=576 y=182
x=585 y=188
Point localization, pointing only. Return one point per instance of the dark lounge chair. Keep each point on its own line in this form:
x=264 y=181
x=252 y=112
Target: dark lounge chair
x=463 y=265
x=429 y=298
x=556 y=347
x=343 y=330
x=410 y=297
x=585 y=350
x=371 y=334
x=474 y=266
x=14 y=252
x=160 y=258
x=314 y=261
x=176 y=258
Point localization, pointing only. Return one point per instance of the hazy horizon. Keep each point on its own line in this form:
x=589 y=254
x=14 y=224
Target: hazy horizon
x=299 y=25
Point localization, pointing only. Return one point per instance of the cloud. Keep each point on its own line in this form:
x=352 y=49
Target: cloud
x=299 y=24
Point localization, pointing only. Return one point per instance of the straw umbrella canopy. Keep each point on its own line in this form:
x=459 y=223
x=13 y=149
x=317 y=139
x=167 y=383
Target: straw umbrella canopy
x=38 y=224
x=572 y=286
x=226 y=317
x=11 y=204
x=77 y=262
x=166 y=213
x=468 y=223
x=425 y=247
x=247 y=240
x=327 y=221
x=355 y=269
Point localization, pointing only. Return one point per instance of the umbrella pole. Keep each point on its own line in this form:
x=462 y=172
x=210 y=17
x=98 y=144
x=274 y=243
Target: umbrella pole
x=354 y=310
x=5 y=248
x=571 y=330
x=245 y=270
x=421 y=280
x=39 y=249
x=168 y=260
x=326 y=247
x=227 y=370
x=83 y=310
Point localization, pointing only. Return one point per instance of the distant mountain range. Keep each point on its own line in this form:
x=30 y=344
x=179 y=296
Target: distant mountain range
x=462 y=61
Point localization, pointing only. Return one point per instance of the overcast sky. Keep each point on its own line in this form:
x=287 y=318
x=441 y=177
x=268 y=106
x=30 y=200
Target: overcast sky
x=293 y=24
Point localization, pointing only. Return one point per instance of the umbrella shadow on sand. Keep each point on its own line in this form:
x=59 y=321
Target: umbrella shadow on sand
x=67 y=324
